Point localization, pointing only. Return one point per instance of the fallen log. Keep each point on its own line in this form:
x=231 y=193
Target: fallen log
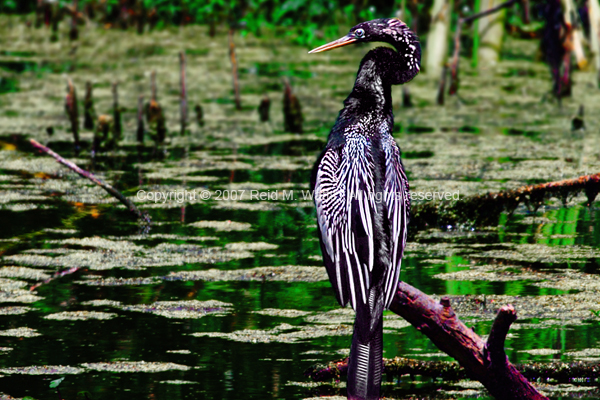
x=485 y=209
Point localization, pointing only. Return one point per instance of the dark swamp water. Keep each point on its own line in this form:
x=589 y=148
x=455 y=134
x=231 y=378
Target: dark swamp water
x=226 y=298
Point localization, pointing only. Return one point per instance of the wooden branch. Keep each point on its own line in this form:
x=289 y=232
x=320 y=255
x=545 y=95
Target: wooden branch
x=153 y=89
x=454 y=64
x=155 y=115
x=526 y=12
x=183 y=108
x=442 y=86
x=484 y=362
x=199 y=115
x=111 y=190
x=88 y=107
x=495 y=343
x=117 y=127
x=56 y=275
x=406 y=99
x=234 y=72
x=487 y=12
x=73 y=32
x=485 y=209
x=292 y=110
x=54 y=15
x=72 y=112
x=140 y=120
x=263 y=109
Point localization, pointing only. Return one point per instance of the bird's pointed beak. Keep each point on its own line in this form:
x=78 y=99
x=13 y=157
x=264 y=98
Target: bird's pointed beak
x=343 y=41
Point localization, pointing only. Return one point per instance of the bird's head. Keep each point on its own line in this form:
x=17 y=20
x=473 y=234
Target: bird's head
x=389 y=30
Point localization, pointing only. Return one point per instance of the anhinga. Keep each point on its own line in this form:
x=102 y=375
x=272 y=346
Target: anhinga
x=361 y=195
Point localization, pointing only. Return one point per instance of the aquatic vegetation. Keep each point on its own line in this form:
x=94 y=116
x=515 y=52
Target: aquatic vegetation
x=80 y=316
x=260 y=257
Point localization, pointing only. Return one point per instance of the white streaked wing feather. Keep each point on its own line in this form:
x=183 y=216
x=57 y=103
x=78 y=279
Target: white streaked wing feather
x=398 y=205
x=343 y=184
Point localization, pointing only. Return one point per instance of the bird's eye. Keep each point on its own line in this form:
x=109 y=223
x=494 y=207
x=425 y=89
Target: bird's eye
x=359 y=33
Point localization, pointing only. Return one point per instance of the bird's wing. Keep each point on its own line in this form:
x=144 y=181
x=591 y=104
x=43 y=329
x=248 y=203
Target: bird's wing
x=345 y=214
x=398 y=207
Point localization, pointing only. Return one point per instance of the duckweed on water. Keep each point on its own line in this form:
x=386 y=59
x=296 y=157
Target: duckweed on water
x=15 y=310
x=179 y=351
x=43 y=370
x=191 y=309
x=24 y=273
x=125 y=257
x=288 y=273
x=283 y=333
x=260 y=258
x=274 y=312
x=223 y=226
x=22 y=332
x=179 y=382
x=135 y=366
x=80 y=316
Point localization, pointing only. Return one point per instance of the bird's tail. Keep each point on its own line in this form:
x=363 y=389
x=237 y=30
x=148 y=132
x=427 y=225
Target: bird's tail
x=365 y=365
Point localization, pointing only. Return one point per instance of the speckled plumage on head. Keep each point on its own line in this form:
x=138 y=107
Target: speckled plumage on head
x=361 y=195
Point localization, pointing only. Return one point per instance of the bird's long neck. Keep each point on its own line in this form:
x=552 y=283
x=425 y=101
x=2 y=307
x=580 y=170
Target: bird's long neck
x=371 y=98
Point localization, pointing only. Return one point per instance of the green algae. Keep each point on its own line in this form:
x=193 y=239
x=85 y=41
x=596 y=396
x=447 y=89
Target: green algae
x=24 y=273
x=135 y=366
x=283 y=333
x=282 y=274
x=43 y=370
x=14 y=310
x=80 y=316
x=179 y=382
x=274 y=312
x=223 y=226
x=179 y=351
x=191 y=309
x=22 y=332
x=262 y=258
x=124 y=256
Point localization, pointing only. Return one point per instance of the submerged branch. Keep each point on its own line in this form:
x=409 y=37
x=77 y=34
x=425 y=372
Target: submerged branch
x=393 y=368
x=111 y=190
x=561 y=372
x=56 y=275
x=485 y=209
